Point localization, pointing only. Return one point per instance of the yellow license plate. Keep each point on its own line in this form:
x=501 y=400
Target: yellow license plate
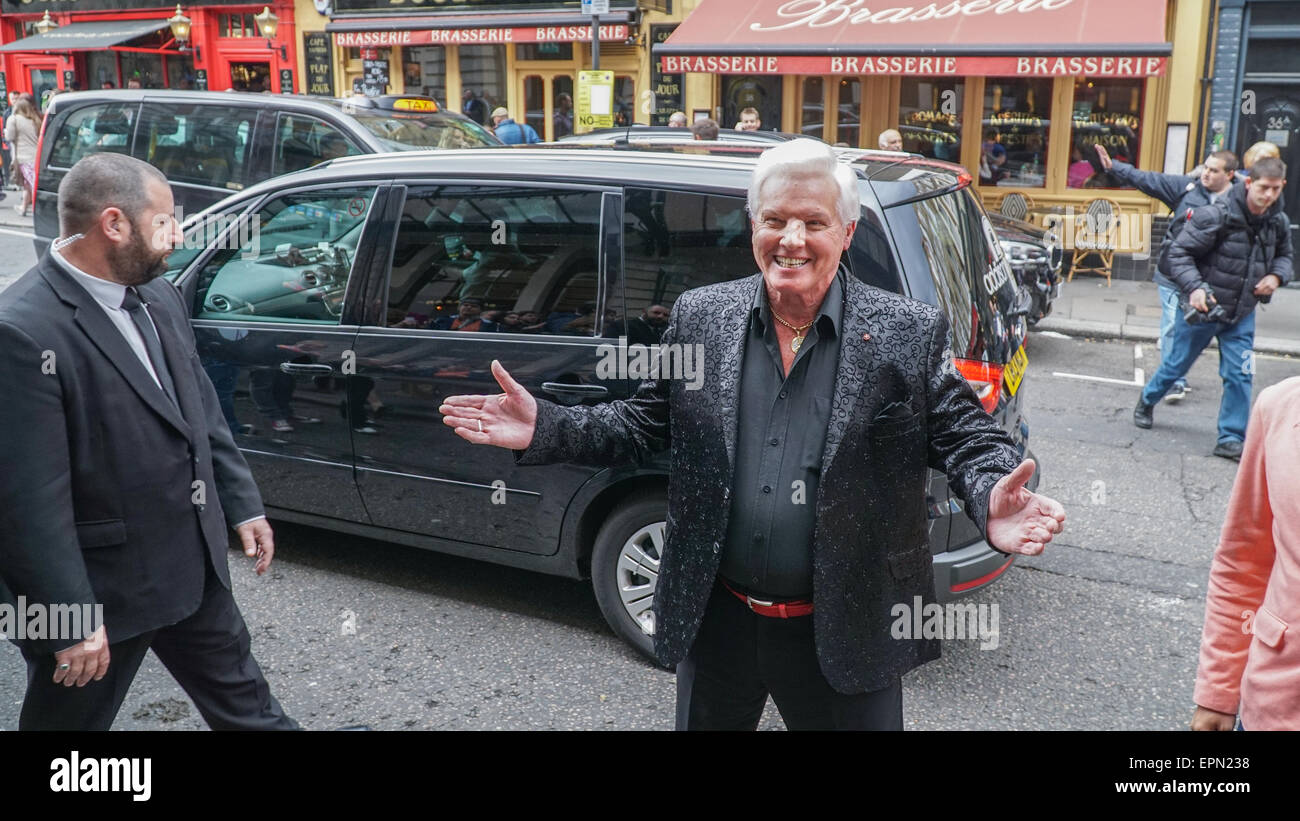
x=1015 y=370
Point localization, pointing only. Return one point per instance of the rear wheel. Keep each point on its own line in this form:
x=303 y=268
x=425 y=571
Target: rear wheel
x=625 y=567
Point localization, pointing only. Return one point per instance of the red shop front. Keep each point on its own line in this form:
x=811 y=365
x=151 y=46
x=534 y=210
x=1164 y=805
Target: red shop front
x=90 y=46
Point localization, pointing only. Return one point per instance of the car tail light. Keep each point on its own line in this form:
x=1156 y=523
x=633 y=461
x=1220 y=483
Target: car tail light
x=985 y=378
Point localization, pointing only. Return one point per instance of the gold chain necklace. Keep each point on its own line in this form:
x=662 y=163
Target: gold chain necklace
x=798 y=332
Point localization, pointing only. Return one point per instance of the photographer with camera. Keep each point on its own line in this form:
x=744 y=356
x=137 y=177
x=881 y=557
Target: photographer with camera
x=1231 y=255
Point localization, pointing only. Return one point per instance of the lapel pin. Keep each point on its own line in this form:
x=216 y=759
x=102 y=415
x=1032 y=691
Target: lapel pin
x=866 y=337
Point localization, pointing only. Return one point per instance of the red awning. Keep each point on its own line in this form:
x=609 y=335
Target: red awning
x=477 y=29
x=1042 y=38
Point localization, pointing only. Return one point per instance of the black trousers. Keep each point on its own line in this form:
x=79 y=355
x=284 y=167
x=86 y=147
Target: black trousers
x=209 y=654
x=739 y=657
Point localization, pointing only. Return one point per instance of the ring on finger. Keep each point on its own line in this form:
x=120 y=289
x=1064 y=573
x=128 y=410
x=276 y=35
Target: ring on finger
x=480 y=425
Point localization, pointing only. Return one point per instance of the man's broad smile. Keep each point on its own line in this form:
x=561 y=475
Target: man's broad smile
x=792 y=262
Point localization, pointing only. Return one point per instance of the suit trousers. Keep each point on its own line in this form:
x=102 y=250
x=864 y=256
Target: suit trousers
x=208 y=653
x=739 y=657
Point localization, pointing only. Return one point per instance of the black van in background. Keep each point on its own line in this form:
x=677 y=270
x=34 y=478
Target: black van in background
x=213 y=143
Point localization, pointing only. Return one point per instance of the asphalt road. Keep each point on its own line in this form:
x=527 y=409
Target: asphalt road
x=1101 y=632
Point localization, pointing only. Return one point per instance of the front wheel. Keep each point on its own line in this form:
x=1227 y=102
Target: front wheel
x=625 y=567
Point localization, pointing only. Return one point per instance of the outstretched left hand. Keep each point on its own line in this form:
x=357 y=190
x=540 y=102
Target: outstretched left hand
x=1019 y=520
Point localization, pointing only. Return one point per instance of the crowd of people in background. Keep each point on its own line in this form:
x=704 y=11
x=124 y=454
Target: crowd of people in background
x=22 y=128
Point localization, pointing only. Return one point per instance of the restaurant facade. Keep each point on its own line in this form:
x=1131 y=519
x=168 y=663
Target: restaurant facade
x=87 y=44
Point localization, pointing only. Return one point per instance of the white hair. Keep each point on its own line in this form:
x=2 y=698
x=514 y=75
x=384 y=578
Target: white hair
x=807 y=158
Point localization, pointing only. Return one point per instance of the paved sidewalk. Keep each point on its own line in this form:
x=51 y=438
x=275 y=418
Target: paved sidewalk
x=1131 y=310
x=8 y=216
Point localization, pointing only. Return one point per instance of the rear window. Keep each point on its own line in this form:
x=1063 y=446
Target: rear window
x=94 y=129
x=400 y=131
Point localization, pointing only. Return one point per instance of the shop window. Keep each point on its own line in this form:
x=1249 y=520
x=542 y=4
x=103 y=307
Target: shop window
x=762 y=93
x=180 y=71
x=1016 y=125
x=1275 y=14
x=483 y=81
x=101 y=67
x=1106 y=112
x=425 y=71
x=930 y=115
x=848 y=128
x=624 y=101
x=146 y=69
x=1273 y=56
x=237 y=25
x=812 y=114
x=544 y=51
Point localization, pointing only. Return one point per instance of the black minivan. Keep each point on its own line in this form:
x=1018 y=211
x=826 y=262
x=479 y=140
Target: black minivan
x=210 y=143
x=335 y=308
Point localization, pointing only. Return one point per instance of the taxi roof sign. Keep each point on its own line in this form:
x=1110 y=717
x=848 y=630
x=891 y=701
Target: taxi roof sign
x=390 y=102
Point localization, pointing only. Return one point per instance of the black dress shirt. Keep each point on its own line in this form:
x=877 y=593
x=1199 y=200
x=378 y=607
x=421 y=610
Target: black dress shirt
x=780 y=438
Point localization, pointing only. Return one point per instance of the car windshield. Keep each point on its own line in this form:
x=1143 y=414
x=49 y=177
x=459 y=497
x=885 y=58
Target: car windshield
x=401 y=131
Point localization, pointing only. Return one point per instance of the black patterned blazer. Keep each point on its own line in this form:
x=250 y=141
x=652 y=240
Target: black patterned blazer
x=870 y=542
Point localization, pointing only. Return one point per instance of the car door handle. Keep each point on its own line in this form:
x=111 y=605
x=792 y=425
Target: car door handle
x=565 y=389
x=304 y=369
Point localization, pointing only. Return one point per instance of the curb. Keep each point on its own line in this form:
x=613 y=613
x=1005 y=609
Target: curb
x=1139 y=333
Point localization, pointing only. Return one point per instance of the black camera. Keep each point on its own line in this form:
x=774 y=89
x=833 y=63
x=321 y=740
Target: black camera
x=1215 y=314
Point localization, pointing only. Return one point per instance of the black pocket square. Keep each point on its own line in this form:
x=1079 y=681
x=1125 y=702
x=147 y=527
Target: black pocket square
x=894 y=412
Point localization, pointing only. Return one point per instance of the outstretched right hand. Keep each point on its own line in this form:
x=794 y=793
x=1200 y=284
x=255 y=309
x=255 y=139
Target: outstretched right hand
x=507 y=420
x=1104 y=156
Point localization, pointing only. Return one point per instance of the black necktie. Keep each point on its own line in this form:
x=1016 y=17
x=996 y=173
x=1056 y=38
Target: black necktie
x=132 y=305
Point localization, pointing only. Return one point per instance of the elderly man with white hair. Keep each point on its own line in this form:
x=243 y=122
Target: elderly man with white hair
x=796 y=505
x=890 y=140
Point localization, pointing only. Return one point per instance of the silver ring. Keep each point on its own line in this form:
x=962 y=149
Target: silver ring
x=480 y=425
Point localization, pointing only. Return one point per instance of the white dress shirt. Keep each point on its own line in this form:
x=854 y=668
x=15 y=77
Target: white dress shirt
x=109 y=295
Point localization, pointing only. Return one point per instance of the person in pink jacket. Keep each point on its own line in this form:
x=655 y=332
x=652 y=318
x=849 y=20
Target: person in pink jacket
x=1250 y=656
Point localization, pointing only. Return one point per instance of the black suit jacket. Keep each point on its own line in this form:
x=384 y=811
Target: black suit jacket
x=108 y=493
x=870 y=542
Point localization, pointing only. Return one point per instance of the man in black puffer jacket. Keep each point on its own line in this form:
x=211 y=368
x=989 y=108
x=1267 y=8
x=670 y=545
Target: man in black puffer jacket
x=1181 y=193
x=1229 y=256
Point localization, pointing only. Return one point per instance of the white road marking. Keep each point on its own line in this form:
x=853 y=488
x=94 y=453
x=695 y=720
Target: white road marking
x=1138 y=382
x=1053 y=335
x=1139 y=375
x=14 y=233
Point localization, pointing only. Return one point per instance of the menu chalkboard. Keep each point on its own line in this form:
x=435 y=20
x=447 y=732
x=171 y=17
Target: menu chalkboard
x=201 y=79
x=286 y=81
x=374 y=77
x=320 y=63
x=69 y=80
x=668 y=88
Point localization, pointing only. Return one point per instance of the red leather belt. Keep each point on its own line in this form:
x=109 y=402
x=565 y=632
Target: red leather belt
x=776 y=610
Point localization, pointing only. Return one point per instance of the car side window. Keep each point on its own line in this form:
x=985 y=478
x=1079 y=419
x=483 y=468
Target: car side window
x=497 y=258
x=943 y=225
x=674 y=241
x=197 y=144
x=302 y=141
x=92 y=130
x=289 y=261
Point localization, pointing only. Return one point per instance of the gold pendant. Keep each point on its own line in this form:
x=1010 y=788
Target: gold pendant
x=795 y=343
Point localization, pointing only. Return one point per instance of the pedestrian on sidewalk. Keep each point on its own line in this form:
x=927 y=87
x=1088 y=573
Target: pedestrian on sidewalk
x=510 y=132
x=1230 y=255
x=1181 y=193
x=1247 y=665
x=21 y=132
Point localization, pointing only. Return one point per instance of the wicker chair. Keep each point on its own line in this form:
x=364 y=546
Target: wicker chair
x=1015 y=205
x=1096 y=235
